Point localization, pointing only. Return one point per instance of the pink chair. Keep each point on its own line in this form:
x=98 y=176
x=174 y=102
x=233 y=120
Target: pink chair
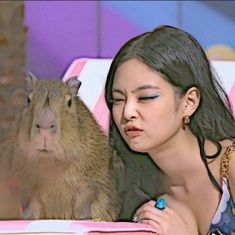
x=226 y=72
x=93 y=72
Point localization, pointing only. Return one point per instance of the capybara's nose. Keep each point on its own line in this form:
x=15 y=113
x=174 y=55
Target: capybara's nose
x=46 y=122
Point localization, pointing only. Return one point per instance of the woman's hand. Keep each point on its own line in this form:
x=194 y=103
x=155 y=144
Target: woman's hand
x=167 y=221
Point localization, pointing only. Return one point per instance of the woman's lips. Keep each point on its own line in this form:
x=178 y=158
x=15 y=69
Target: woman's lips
x=133 y=132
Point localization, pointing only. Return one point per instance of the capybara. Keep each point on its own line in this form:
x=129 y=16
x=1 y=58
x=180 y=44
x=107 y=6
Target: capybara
x=59 y=164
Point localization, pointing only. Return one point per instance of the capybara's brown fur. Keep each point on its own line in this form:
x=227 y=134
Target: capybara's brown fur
x=59 y=164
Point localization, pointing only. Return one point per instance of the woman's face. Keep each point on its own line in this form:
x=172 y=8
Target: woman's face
x=145 y=107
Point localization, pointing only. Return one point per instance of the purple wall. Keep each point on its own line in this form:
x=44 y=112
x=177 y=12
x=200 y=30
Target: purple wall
x=60 y=31
x=115 y=31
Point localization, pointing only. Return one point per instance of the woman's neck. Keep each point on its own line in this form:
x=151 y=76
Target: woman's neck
x=179 y=159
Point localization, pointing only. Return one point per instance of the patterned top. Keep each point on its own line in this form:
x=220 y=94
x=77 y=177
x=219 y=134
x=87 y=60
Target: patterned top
x=224 y=219
x=223 y=222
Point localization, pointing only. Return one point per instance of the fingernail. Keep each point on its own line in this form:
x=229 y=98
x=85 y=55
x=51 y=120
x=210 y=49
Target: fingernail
x=135 y=219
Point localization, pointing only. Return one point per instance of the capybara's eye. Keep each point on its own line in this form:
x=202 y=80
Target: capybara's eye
x=29 y=98
x=70 y=102
x=68 y=99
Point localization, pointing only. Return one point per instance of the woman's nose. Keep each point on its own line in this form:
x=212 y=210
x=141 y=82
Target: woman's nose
x=129 y=111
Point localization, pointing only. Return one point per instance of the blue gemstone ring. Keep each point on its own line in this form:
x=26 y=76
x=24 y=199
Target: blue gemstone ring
x=160 y=204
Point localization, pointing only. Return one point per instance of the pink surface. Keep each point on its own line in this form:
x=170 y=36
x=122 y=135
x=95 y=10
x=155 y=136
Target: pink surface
x=110 y=226
x=74 y=226
x=101 y=113
x=75 y=68
x=232 y=98
x=122 y=233
x=14 y=225
x=123 y=228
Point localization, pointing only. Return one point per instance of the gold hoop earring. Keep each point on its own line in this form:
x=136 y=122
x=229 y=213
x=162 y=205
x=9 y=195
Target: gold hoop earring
x=185 y=121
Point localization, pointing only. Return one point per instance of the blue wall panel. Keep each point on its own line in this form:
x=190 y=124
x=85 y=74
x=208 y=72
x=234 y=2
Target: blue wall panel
x=146 y=14
x=209 y=25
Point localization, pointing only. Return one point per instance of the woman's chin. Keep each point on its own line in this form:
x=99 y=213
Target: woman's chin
x=138 y=148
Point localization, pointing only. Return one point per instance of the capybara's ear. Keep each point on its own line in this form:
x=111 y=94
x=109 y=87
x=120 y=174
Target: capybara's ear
x=31 y=80
x=74 y=83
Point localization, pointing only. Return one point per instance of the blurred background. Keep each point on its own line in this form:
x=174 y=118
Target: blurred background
x=60 y=31
x=44 y=37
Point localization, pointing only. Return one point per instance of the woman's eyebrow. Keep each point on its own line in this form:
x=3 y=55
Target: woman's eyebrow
x=146 y=87
x=118 y=91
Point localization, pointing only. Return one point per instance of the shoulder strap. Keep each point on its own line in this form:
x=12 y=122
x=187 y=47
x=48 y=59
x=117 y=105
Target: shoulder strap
x=224 y=164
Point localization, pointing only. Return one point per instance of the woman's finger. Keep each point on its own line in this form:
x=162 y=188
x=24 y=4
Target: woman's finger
x=149 y=210
x=154 y=224
x=159 y=217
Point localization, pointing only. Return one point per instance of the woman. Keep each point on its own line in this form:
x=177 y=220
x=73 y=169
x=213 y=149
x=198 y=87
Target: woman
x=165 y=100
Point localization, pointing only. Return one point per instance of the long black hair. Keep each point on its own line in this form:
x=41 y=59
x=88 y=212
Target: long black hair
x=178 y=56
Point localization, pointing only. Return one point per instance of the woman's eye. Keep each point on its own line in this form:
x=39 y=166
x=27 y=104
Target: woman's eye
x=117 y=101
x=144 y=98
